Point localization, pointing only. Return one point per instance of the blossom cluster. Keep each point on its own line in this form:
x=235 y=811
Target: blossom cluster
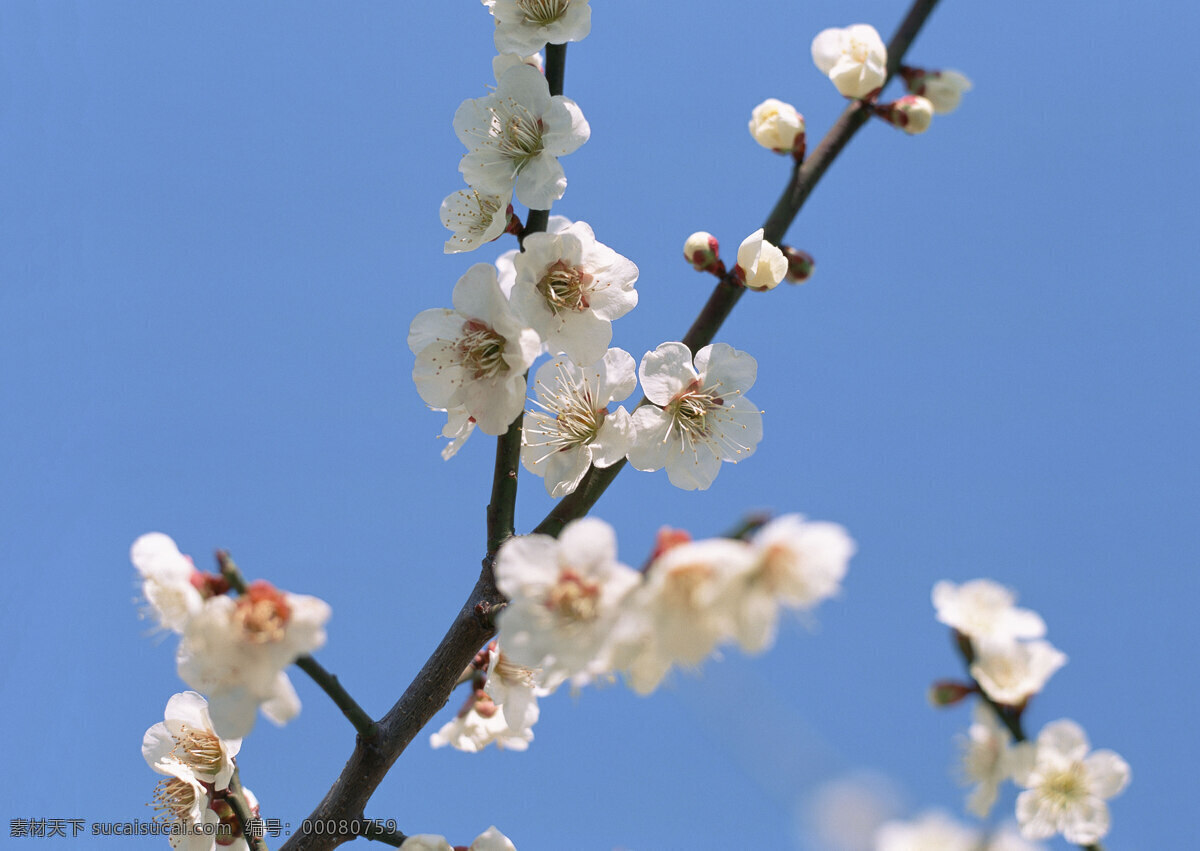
x=1066 y=785
x=232 y=649
x=577 y=615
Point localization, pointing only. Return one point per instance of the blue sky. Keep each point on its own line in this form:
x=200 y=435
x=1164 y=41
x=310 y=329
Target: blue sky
x=218 y=221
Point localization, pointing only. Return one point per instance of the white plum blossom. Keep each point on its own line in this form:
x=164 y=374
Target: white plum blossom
x=985 y=612
x=699 y=417
x=1011 y=674
x=933 y=831
x=182 y=801
x=760 y=265
x=1066 y=786
x=235 y=651
x=474 y=217
x=854 y=58
x=506 y=268
x=944 y=89
x=186 y=735
x=167 y=584
x=798 y=563
x=515 y=135
x=569 y=288
x=459 y=426
x=526 y=26
x=776 y=125
x=513 y=688
x=986 y=759
x=474 y=357
x=575 y=429
x=481 y=723
x=501 y=62
x=683 y=609
x=564 y=596
x=490 y=840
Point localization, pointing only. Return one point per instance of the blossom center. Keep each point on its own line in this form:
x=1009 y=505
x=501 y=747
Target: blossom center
x=262 y=613
x=778 y=563
x=200 y=749
x=175 y=798
x=577 y=418
x=1064 y=787
x=565 y=287
x=518 y=133
x=542 y=13
x=573 y=598
x=685 y=584
x=858 y=50
x=481 y=351
x=689 y=410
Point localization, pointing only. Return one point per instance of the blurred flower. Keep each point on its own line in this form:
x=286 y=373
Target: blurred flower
x=1011 y=674
x=777 y=126
x=984 y=611
x=699 y=417
x=985 y=759
x=167 y=580
x=912 y=113
x=474 y=357
x=854 y=58
x=943 y=88
x=933 y=831
x=515 y=136
x=575 y=429
x=1066 y=787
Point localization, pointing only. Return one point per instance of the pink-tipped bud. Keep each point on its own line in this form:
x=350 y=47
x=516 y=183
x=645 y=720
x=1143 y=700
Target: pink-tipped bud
x=949 y=692
x=703 y=251
x=800 y=265
x=778 y=127
x=912 y=113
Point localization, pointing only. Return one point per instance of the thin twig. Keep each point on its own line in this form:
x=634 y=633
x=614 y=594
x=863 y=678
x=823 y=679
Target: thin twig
x=241 y=808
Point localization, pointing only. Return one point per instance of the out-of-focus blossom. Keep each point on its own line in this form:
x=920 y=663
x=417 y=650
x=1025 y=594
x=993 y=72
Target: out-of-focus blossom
x=1012 y=673
x=854 y=58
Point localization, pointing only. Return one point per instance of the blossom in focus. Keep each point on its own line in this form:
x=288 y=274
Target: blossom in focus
x=167 y=580
x=760 y=265
x=187 y=736
x=798 y=564
x=686 y=605
x=702 y=250
x=986 y=760
x=474 y=357
x=985 y=612
x=699 y=417
x=854 y=58
x=912 y=113
x=1011 y=674
x=575 y=429
x=1066 y=786
x=564 y=596
x=514 y=137
x=475 y=219
x=569 y=288
x=513 y=688
x=235 y=651
x=944 y=89
x=182 y=802
x=526 y=26
x=933 y=831
x=777 y=126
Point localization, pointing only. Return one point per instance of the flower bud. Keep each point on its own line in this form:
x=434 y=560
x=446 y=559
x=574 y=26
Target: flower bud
x=944 y=89
x=760 y=265
x=800 y=265
x=701 y=250
x=777 y=126
x=912 y=113
x=949 y=692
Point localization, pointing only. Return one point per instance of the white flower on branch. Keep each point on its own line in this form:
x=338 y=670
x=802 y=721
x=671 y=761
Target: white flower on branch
x=235 y=651
x=699 y=417
x=686 y=605
x=570 y=288
x=514 y=688
x=985 y=612
x=575 y=429
x=798 y=564
x=515 y=136
x=986 y=759
x=564 y=596
x=474 y=357
x=482 y=722
x=944 y=89
x=186 y=735
x=854 y=58
x=1012 y=673
x=526 y=26
x=184 y=803
x=167 y=580
x=1066 y=786
x=474 y=217
x=760 y=265
x=776 y=125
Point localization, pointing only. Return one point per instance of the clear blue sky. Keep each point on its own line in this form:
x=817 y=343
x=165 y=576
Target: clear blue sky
x=217 y=221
